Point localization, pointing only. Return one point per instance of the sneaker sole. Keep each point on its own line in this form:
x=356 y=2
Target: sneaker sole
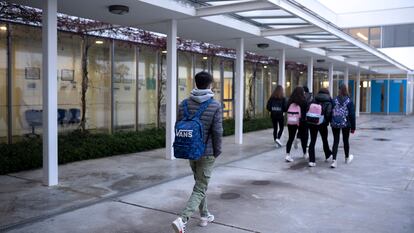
x=175 y=227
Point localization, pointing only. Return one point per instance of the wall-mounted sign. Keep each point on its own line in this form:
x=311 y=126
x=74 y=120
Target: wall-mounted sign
x=67 y=75
x=32 y=73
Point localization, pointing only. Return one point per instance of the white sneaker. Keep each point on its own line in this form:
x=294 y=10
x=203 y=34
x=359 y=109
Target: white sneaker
x=349 y=159
x=205 y=220
x=178 y=225
x=288 y=158
x=311 y=164
x=327 y=159
x=295 y=144
x=306 y=155
x=333 y=164
x=278 y=142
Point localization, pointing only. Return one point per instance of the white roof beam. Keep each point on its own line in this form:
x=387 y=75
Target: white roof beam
x=346 y=53
x=378 y=63
x=233 y=8
x=290 y=31
x=311 y=17
x=323 y=44
x=383 y=66
x=359 y=59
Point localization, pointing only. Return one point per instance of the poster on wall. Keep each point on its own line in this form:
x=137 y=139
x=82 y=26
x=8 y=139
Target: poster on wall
x=32 y=73
x=67 y=75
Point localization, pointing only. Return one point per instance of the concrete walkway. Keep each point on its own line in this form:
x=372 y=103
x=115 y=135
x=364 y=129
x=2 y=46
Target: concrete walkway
x=252 y=189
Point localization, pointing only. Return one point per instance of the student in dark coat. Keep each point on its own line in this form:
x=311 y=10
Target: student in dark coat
x=323 y=99
x=277 y=105
x=297 y=99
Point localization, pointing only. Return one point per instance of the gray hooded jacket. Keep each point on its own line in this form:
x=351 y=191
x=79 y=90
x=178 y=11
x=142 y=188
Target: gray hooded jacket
x=212 y=119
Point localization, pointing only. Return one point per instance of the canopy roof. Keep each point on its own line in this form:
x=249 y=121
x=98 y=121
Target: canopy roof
x=282 y=24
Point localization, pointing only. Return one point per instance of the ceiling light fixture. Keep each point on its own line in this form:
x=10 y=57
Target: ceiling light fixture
x=3 y=28
x=362 y=36
x=262 y=45
x=99 y=42
x=118 y=9
x=164 y=51
x=205 y=58
x=265 y=67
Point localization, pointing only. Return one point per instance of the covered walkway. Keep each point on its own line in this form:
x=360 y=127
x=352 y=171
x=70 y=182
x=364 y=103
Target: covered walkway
x=284 y=29
x=252 y=189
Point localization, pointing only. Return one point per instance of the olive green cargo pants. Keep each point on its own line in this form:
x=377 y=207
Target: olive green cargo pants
x=202 y=170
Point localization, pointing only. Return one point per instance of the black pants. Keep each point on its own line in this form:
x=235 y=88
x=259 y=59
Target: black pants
x=278 y=123
x=303 y=132
x=345 y=139
x=323 y=131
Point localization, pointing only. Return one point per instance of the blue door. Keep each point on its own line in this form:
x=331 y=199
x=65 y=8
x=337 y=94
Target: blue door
x=379 y=96
x=398 y=96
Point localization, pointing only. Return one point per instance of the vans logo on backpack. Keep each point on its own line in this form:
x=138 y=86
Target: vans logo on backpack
x=184 y=133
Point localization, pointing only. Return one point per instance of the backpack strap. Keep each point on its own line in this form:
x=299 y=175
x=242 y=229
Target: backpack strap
x=185 y=107
x=202 y=108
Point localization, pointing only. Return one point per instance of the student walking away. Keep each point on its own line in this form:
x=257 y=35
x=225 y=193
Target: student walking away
x=296 y=116
x=343 y=119
x=277 y=105
x=309 y=98
x=198 y=136
x=318 y=118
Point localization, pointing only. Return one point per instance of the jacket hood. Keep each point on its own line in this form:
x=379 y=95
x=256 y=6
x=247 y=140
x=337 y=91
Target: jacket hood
x=201 y=95
x=322 y=97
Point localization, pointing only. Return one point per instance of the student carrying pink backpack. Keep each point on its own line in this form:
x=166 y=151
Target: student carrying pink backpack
x=293 y=114
x=315 y=116
x=295 y=121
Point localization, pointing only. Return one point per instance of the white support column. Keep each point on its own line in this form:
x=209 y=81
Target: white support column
x=310 y=74
x=50 y=133
x=282 y=68
x=330 y=77
x=346 y=76
x=171 y=87
x=239 y=91
x=358 y=93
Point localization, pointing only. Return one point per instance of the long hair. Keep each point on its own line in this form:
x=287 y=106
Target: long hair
x=298 y=96
x=343 y=90
x=278 y=92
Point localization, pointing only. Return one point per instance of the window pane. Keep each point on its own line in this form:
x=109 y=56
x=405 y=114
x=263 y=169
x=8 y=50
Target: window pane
x=124 y=86
x=228 y=88
x=69 y=81
x=361 y=34
x=27 y=83
x=3 y=86
x=258 y=97
x=249 y=91
x=98 y=104
x=185 y=75
x=147 y=87
x=162 y=91
x=201 y=63
x=216 y=87
x=398 y=36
